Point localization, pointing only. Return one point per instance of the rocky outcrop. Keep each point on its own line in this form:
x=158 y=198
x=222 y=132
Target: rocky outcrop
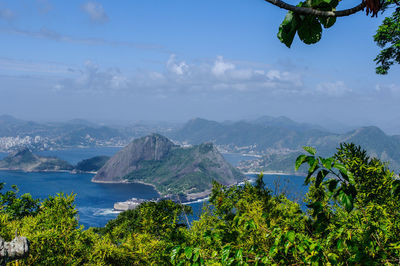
x=18 y=248
x=152 y=147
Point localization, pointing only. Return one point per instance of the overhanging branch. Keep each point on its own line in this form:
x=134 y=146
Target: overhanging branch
x=314 y=12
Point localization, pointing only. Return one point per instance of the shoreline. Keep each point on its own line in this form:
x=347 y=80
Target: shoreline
x=73 y=172
x=271 y=173
x=125 y=182
x=243 y=154
x=38 y=171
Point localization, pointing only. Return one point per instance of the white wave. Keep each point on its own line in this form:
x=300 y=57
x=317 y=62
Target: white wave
x=105 y=212
x=98 y=211
x=196 y=201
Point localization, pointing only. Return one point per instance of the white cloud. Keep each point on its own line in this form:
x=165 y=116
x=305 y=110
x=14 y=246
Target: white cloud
x=95 y=11
x=180 y=77
x=220 y=66
x=179 y=68
x=94 y=80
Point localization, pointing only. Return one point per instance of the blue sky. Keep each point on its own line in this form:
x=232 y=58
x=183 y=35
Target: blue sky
x=123 y=61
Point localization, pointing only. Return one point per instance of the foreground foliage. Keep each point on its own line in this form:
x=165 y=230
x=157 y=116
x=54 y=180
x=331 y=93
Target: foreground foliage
x=309 y=27
x=352 y=217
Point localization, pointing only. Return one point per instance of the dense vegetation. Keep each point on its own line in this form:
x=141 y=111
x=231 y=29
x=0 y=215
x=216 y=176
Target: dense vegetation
x=92 y=164
x=352 y=218
x=186 y=170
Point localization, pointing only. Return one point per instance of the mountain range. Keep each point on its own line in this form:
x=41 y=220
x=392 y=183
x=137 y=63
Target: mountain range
x=280 y=141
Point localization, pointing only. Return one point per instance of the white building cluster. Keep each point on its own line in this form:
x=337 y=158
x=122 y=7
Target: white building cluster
x=8 y=143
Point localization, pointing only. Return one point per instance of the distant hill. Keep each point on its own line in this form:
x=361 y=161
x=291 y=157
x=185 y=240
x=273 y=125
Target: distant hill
x=281 y=144
x=25 y=160
x=284 y=122
x=156 y=160
x=92 y=164
x=259 y=135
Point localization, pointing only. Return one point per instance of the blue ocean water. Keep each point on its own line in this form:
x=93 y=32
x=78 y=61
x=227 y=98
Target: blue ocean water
x=95 y=201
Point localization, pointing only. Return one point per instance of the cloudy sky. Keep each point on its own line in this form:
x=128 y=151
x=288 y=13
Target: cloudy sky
x=173 y=60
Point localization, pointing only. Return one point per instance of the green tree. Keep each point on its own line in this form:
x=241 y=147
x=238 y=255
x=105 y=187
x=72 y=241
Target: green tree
x=17 y=207
x=309 y=17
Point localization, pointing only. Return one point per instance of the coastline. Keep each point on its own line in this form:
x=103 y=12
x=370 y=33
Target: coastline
x=39 y=171
x=271 y=173
x=73 y=171
x=243 y=154
x=125 y=182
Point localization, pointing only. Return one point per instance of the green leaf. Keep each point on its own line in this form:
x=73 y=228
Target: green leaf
x=340 y=245
x=310 y=150
x=196 y=254
x=225 y=253
x=327 y=22
x=300 y=248
x=288 y=28
x=327 y=162
x=239 y=255
x=265 y=260
x=320 y=177
x=287 y=246
x=291 y=236
x=333 y=258
x=299 y=161
x=396 y=188
x=342 y=169
x=347 y=201
x=332 y=184
x=230 y=261
x=313 y=162
x=273 y=250
x=174 y=252
x=188 y=252
x=310 y=30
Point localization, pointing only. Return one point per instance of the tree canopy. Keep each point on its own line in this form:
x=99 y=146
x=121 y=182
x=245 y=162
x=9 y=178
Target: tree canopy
x=310 y=17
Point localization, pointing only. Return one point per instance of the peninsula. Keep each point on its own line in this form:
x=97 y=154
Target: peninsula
x=25 y=160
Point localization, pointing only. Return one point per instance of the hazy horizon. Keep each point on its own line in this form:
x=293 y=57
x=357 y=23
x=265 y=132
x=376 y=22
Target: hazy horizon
x=126 y=61
x=333 y=126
